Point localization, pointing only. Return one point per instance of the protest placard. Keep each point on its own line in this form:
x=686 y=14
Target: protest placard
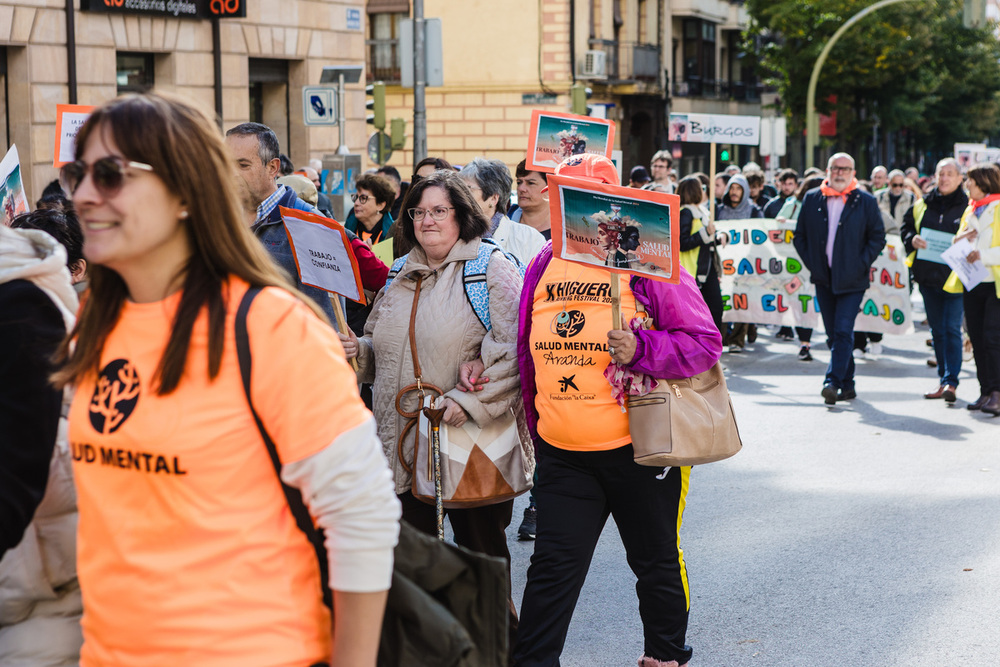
x=13 y=201
x=622 y=229
x=554 y=136
x=715 y=128
x=384 y=251
x=323 y=254
x=965 y=154
x=937 y=243
x=765 y=282
x=970 y=273
x=69 y=119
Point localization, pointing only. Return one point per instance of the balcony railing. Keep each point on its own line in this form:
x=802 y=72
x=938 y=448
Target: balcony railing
x=629 y=61
x=695 y=86
x=383 y=61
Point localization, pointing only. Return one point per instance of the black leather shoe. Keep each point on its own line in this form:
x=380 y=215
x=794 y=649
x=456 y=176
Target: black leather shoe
x=992 y=406
x=829 y=394
x=978 y=404
x=846 y=394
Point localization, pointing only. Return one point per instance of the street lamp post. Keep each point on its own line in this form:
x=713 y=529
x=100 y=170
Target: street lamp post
x=812 y=124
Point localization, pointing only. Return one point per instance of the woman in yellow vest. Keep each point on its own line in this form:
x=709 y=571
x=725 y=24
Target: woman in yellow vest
x=698 y=238
x=981 y=227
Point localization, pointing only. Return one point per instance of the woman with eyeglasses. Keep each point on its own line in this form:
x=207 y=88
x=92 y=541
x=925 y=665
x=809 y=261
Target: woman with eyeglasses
x=427 y=291
x=370 y=218
x=189 y=553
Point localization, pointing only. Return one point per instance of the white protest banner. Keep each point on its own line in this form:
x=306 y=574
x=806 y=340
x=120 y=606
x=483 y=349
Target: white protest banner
x=13 y=201
x=886 y=306
x=715 y=128
x=69 y=119
x=323 y=254
x=763 y=279
x=765 y=282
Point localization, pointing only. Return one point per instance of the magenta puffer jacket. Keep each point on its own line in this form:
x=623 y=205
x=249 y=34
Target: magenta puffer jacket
x=684 y=343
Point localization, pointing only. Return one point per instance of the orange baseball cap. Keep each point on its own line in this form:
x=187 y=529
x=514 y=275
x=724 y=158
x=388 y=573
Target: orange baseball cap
x=591 y=167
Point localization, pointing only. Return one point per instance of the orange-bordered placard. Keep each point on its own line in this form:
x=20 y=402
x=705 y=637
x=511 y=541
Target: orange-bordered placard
x=624 y=230
x=323 y=254
x=69 y=119
x=554 y=136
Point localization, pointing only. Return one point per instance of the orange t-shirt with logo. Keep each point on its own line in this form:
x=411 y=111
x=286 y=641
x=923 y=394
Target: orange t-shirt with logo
x=570 y=320
x=188 y=552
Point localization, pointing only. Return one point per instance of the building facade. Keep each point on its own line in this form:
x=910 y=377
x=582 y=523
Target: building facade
x=641 y=59
x=250 y=67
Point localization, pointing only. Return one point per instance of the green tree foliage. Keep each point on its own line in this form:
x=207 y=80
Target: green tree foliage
x=910 y=66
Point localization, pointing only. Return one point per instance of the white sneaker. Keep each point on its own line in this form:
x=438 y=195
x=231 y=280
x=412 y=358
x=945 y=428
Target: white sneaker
x=875 y=349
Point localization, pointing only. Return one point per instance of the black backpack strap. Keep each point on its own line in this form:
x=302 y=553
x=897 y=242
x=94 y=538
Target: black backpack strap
x=292 y=495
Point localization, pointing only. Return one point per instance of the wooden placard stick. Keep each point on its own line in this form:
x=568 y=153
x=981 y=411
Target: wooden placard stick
x=338 y=312
x=616 y=301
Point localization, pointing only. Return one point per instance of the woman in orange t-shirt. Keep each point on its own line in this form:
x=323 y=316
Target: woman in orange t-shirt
x=586 y=470
x=188 y=550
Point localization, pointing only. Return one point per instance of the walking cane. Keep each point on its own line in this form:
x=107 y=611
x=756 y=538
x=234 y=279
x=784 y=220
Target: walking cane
x=434 y=416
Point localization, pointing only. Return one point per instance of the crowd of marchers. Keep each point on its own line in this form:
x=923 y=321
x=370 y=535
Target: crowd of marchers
x=181 y=415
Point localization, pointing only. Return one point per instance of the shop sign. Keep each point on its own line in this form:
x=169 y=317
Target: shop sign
x=191 y=9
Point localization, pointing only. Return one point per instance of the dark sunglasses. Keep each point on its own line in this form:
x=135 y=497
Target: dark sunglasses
x=108 y=174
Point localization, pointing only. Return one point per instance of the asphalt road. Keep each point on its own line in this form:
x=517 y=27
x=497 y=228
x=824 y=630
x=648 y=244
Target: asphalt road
x=862 y=534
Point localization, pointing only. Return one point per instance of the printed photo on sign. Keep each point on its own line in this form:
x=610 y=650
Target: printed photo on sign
x=323 y=254
x=555 y=136
x=12 y=198
x=622 y=229
x=69 y=119
x=765 y=282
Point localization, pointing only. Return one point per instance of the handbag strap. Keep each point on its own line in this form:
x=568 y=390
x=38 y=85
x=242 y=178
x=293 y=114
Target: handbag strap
x=419 y=386
x=292 y=495
x=413 y=333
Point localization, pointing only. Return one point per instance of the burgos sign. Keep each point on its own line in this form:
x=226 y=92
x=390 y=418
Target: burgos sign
x=191 y=9
x=715 y=128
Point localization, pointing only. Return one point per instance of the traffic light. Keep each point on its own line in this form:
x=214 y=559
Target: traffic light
x=724 y=155
x=376 y=104
x=578 y=96
x=397 y=134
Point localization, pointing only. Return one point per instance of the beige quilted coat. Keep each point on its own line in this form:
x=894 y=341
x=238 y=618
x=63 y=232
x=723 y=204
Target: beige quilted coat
x=448 y=333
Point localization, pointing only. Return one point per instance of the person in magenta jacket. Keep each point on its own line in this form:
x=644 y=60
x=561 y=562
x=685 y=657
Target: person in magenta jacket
x=586 y=470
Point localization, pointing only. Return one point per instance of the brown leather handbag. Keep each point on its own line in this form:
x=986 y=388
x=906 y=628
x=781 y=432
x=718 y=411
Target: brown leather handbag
x=480 y=465
x=685 y=421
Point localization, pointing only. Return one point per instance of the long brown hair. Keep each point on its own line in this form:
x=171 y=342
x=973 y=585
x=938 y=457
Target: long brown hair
x=184 y=147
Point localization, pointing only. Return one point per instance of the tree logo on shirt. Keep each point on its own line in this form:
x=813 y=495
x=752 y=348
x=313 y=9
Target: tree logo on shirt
x=115 y=396
x=569 y=324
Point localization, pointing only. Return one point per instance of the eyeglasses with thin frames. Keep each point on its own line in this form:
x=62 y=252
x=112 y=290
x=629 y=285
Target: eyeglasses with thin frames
x=438 y=213
x=842 y=170
x=108 y=174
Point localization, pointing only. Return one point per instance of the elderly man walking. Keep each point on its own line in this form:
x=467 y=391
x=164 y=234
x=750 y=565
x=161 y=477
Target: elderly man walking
x=838 y=236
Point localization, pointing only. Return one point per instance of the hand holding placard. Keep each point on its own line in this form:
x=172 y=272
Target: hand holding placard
x=970 y=273
x=324 y=259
